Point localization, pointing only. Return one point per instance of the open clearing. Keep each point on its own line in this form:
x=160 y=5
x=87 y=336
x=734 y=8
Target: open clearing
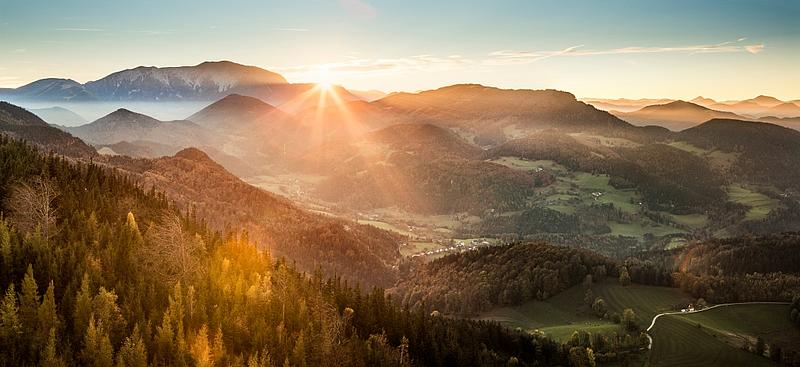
x=719 y=160
x=639 y=229
x=760 y=204
x=714 y=337
x=561 y=315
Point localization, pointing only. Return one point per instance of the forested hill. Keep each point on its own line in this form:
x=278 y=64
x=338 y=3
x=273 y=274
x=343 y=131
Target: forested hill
x=360 y=253
x=97 y=272
x=749 y=268
x=21 y=124
x=475 y=281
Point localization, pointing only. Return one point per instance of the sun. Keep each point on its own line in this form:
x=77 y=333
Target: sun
x=324 y=78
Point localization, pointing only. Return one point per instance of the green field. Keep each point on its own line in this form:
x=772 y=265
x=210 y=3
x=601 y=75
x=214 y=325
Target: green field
x=527 y=165
x=722 y=161
x=760 y=204
x=694 y=221
x=577 y=188
x=717 y=341
x=639 y=229
x=561 y=315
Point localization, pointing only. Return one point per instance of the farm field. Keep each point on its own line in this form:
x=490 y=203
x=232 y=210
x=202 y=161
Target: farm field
x=715 y=337
x=639 y=229
x=561 y=315
x=760 y=204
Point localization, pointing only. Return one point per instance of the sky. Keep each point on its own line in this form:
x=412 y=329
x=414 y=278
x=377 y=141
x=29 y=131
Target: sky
x=729 y=49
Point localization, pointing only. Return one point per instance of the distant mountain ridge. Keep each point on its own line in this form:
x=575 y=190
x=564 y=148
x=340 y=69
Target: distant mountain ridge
x=207 y=81
x=676 y=115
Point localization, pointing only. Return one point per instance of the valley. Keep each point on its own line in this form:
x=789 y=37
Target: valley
x=525 y=224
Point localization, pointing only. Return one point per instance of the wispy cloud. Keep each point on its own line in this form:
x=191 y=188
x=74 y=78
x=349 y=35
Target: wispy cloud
x=289 y=29
x=359 y=8
x=154 y=32
x=524 y=57
x=79 y=29
x=366 y=67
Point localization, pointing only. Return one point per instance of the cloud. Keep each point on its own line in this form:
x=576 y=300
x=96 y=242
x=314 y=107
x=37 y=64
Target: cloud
x=754 y=49
x=153 y=32
x=359 y=8
x=291 y=29
x=524 y=57
x=79 y=29
x=366 y=67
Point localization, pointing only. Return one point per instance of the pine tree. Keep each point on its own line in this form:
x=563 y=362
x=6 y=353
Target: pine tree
x=6 y=252
x=201 y=350
x=29 y=300
x=97 y=350
x=10 y=326
x=133 y=352
x=50 y=357
x=47 y=314
x=83 y=308
x=299 y=352
x=218 y=348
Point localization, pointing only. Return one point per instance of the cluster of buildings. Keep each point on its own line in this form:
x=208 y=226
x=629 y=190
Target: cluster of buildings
x=460 y=246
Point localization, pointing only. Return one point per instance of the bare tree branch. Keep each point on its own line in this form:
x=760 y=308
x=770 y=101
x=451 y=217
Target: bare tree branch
x=32 y=206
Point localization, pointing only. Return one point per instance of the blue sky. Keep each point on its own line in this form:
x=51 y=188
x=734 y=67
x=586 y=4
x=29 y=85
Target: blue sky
x=679 y=49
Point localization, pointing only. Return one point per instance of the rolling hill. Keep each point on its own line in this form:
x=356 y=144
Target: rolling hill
x=676 y=116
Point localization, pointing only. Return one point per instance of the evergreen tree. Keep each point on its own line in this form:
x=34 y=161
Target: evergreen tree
x=133 y=352
x=48 y=314
x=97 y=350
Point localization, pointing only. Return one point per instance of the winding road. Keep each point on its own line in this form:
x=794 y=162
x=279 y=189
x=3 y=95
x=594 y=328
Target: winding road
x=653 y=323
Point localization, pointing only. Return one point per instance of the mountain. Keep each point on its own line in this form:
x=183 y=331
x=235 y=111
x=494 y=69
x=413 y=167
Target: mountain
x=205 y=81
x=252 y=129
x=368 y=95
x=767 y=153
x=702 y=101
x=51 y=89
x=59 y=116
x=237 y=112
x=208 y=81
x=193 y=180
x=421 y=168
x=22 y=124
x=675 y=116
x=766 y=101
x=760 y=106
x=495 y=115
x=623 y=104
x=125 y=125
